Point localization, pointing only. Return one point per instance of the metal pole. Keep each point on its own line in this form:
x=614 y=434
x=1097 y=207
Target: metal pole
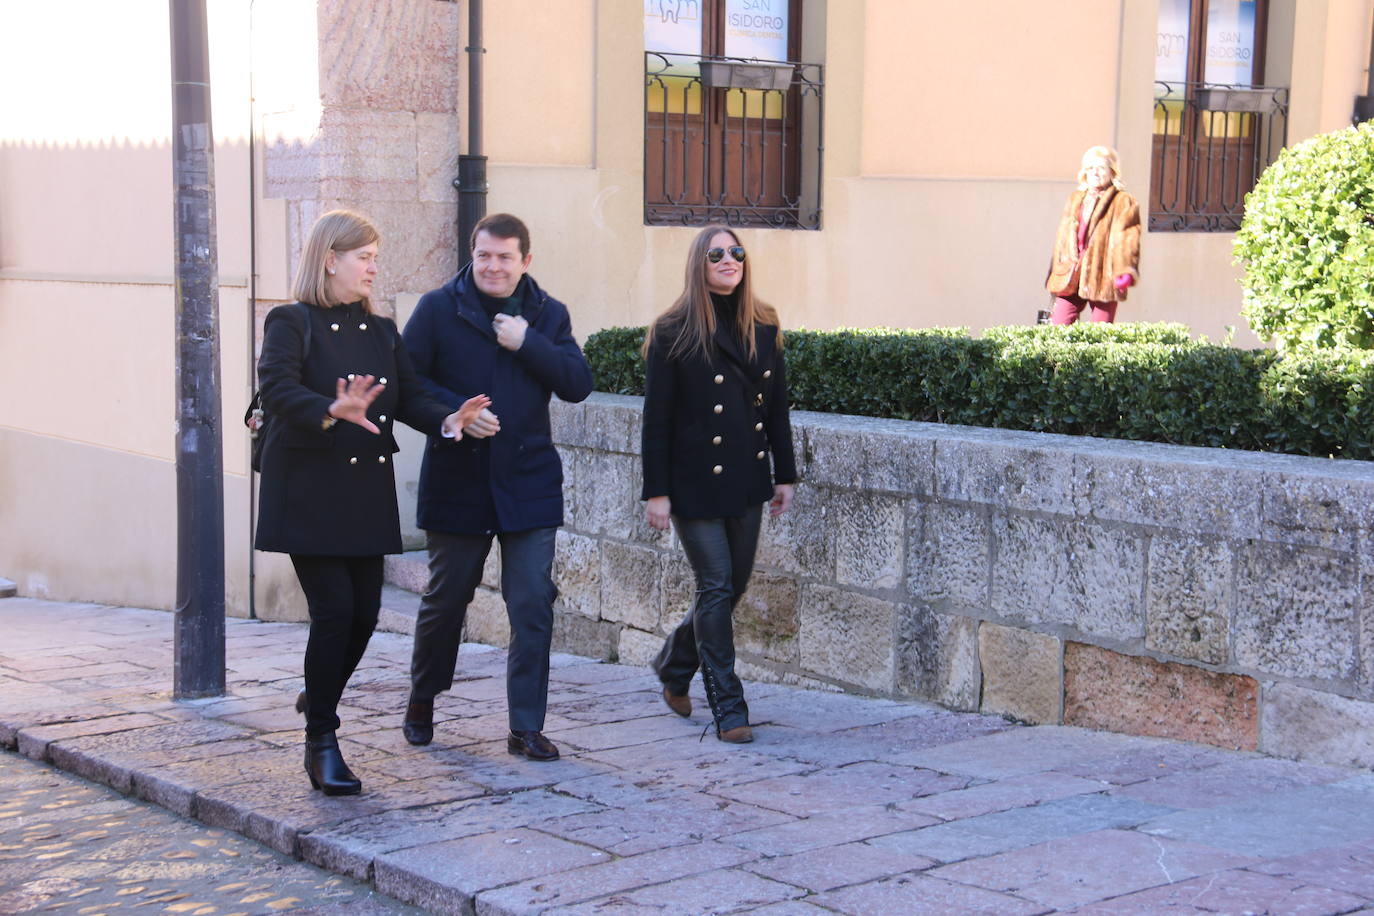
x=198 y=644
x=472 y=166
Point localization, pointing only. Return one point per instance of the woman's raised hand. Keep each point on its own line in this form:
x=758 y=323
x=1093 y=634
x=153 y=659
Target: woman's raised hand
x=471 y=409
x=353 y=397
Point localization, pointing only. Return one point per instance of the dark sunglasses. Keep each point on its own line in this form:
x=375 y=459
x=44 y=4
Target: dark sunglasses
x=714 y=255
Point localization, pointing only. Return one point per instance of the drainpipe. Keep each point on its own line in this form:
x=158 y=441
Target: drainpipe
x=472 y=166
x=252 y=310
x=1364 y=104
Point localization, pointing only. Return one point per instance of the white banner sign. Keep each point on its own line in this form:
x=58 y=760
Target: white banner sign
x=756 y=29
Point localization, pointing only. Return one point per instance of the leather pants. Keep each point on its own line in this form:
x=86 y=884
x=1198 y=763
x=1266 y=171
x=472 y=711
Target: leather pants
x=721 y=551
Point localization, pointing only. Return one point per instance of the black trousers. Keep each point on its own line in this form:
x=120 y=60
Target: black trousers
x=721 y=551
x=455 y=571
x=344 y=595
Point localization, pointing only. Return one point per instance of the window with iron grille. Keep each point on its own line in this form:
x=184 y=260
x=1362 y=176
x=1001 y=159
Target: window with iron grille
x=1216 y=128
x=732 y=117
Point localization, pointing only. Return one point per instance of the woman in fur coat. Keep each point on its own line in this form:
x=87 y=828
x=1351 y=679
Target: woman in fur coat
x=1097 y=251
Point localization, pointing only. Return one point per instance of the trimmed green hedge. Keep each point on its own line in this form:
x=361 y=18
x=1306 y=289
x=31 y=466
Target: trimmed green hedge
x=1125 y=381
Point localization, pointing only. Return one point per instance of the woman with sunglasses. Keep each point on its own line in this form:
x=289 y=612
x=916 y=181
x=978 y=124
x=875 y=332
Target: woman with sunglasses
x=715 y=411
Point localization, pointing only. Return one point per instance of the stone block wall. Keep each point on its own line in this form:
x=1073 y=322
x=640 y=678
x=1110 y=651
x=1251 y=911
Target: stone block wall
x=1209 y=595
x=374 y=128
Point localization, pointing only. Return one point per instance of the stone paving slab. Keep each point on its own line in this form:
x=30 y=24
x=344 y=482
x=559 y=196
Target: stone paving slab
x=1017 y=828
x=1228 y=892
x=1090 y=867
x=68 y=847
x=1280 y=824
x=843 y=804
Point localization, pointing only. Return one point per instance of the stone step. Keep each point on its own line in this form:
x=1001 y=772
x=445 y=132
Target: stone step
x=399 y=609
x=408 y=571
x=7 y=588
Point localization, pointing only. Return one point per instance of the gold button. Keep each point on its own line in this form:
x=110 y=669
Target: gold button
x=767 y=373
x=758 y=427
x=758 y=399
x=333 y=327
x=716 y=441
x=362 y=326
x=759 y=456
x=718 y=408
x=717 y=469
x=720 y=379
x=382 y=418
x=382 y=380
x=353 y=460
x=381 y=459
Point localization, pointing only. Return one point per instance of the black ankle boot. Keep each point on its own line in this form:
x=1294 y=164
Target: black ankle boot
x=326 y=768
x=418 y=726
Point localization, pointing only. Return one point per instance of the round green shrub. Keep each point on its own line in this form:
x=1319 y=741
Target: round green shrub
x=1306 y=244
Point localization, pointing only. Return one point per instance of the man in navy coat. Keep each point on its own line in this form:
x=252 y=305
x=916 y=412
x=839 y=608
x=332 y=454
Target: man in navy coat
x=491 y=330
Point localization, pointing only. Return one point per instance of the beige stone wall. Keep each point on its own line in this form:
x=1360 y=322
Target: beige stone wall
x=1201 y=594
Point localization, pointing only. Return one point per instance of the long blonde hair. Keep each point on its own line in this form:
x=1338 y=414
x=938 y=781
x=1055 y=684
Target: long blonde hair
x=338 y=231
x=691 y=319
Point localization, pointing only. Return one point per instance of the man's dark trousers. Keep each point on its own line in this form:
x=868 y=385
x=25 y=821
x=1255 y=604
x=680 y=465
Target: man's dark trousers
x=455 y=571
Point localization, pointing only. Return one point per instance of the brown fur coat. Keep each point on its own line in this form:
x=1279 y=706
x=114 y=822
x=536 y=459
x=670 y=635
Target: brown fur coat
x=1113 y=247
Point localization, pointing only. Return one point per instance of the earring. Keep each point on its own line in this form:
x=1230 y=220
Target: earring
x=331 y=271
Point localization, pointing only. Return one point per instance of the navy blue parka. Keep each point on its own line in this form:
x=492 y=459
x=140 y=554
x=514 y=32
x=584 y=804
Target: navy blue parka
x=512 y=481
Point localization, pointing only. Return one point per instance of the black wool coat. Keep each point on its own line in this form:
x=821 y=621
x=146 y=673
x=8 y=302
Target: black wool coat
x=333 y=493
x=711 y=423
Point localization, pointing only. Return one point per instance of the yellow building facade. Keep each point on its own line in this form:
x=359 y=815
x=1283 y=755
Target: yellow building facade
x=933 y=166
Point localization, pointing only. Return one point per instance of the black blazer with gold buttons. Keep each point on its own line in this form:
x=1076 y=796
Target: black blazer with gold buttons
x=332 y=492
x=712 y=424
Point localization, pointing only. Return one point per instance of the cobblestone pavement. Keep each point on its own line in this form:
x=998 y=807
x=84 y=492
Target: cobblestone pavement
x=67 y=846
x=843 y=805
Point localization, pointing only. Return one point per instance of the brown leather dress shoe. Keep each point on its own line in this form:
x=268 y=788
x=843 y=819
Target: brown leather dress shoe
x=532 y=745
x=740 y=734
x=680 y=705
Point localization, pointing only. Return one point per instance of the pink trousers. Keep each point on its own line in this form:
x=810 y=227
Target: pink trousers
x=1067 y=310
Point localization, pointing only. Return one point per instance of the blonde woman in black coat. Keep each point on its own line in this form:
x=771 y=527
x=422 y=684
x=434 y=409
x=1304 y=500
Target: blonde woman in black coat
x=334 y=377
x=715 y=412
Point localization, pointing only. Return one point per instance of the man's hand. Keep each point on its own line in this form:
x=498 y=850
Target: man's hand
x=657 y=510
x=510 y=331
x=486 y=424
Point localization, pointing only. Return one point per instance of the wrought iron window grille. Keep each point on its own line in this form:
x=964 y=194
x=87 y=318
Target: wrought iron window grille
x=1211 y=143
x=733 y=141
